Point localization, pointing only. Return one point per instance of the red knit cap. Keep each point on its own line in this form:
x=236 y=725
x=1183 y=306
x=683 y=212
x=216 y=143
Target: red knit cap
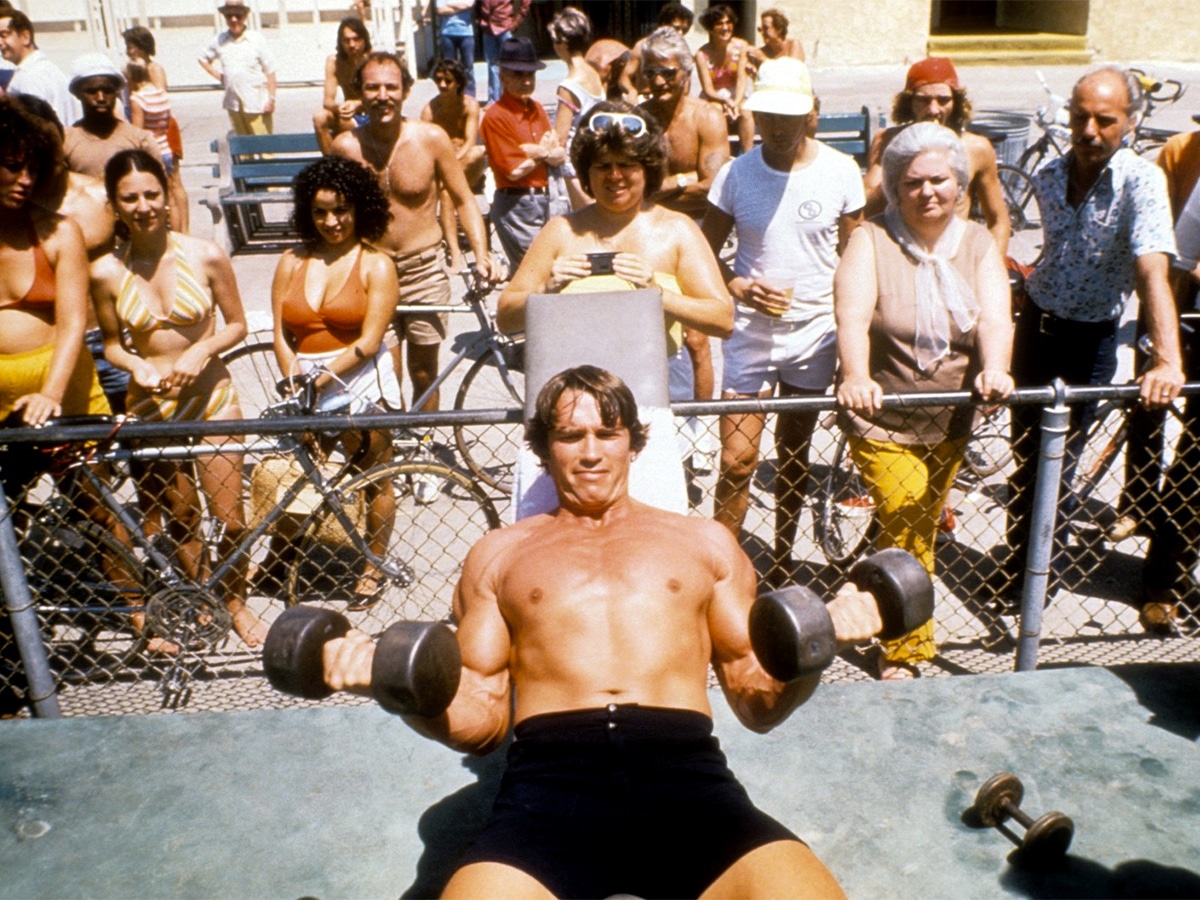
x=932 y=70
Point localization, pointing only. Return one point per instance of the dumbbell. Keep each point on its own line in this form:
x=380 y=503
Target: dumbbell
x=1046 y=838
x=415 y=669
x=793 y=635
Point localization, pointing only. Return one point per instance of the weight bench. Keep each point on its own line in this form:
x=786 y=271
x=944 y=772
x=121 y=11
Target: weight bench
x=254 y=196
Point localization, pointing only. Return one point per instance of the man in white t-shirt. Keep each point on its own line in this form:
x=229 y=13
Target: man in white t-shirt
x=793 y=201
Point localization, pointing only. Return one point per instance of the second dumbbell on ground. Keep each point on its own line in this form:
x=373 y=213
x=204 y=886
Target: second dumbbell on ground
x=793 y=633
x=415 y=669
x=1046 y=838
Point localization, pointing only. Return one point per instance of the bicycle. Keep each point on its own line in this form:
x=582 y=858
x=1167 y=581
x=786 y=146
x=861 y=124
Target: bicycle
x=418 y=569
x=494 y=380
x=1148 y=140
x=844 y=521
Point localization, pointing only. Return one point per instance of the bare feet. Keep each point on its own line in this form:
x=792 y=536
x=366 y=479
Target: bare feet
x=155 y=646
x=894 y=670
x=249 y=627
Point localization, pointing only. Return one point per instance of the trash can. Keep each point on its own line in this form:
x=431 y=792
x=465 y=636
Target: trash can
x=1008 y=132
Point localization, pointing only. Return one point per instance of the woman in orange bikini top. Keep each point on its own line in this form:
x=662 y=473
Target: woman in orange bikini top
x=723 y=66
x=43 y=283
x=333 y=302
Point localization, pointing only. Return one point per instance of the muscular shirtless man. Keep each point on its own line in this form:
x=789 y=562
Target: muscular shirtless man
x=411 y=158
x=602 y=618
x=932 y=93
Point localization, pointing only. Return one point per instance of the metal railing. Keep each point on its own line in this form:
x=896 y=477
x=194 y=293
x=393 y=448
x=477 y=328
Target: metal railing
x=73 y=583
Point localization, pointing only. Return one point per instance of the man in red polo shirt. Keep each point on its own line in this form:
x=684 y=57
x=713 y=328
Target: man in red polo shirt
x=521 y=147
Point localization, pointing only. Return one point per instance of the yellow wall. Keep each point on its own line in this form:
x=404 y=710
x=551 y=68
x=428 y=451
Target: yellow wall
x=892 y=32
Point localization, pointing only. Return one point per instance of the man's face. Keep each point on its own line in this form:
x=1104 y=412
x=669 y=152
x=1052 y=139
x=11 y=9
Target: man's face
x=661 y=77
x=1099 y=120
x=781 y=134
x=933 y=103
x=446 y=83
x=518 y=83
x=98 y=95
x=235 y=21
x=14 y=45
x=382 y=91
x=681 y=26
x=589 y=461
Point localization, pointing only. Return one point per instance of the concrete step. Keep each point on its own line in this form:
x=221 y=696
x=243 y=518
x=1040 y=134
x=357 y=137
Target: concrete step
x=1040 y=49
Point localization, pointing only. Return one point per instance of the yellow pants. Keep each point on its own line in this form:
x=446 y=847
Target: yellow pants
x=251 y=123
x=909 y=484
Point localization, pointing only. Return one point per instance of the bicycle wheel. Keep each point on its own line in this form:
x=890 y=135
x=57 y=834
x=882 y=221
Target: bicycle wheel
x=1037 y=155
x=989 y=448
x=255 y=372
x=86 y=585
x=428 y=543
x=1097 y=453
x=845 y=520
x=1024 y=214
x=490 y=451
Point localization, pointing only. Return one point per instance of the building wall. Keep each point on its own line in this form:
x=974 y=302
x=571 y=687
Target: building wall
x=1126 y=30
x=860 y=32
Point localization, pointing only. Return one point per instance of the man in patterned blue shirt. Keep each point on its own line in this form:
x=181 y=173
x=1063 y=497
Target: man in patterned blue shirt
x=1108 y=231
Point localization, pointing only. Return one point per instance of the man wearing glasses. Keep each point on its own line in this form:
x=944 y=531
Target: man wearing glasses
x=246 y=71
x=932 y=93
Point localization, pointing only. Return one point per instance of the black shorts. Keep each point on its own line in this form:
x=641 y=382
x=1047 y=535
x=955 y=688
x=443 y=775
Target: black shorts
x=623 y=799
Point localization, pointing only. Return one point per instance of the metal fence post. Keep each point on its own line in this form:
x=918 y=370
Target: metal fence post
x=26 y=631
x=1043 y=519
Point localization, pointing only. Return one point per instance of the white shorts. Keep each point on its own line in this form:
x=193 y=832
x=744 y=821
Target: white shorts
x=361 y=390
x=763 y=351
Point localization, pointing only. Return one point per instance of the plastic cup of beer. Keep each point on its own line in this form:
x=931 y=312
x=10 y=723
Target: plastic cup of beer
x=785 y=283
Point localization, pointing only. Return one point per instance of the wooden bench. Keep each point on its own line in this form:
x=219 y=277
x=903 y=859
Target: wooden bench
x=849 y=132
x=254 y=195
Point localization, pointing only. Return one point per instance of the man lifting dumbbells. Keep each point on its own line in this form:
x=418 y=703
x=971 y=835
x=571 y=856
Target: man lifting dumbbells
x=602 y=617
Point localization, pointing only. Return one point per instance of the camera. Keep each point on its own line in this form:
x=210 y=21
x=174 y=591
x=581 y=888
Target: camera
x=601 y=263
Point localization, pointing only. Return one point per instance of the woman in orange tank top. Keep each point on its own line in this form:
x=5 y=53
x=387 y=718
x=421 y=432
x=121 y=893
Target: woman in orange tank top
x=333 y=301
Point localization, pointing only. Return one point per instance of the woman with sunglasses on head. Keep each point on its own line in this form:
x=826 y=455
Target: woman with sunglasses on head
x=620 y=157
x=164 y=290
x=333 y=303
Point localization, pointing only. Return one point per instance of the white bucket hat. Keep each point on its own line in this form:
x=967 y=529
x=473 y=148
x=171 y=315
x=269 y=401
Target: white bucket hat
x=783 y=87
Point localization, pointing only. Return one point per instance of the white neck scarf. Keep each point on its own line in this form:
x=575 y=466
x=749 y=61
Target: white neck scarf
x=941 y=291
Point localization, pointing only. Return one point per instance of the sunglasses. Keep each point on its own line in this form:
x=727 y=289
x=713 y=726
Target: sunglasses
x=627 y=122
x=669 y=73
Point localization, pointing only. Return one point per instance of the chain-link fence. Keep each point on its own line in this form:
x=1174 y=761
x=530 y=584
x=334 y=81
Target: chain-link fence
x=156 y=555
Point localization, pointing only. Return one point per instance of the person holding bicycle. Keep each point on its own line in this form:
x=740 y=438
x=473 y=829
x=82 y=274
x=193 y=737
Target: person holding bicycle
x=161 y=291
x=620 y=156
x=921 y=300
x=332 y=303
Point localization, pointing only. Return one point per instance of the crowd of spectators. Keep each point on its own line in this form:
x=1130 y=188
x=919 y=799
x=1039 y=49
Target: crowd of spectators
x=635 y=159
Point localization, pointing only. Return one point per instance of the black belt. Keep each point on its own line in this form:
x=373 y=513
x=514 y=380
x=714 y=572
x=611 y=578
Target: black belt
x=1049 y=324
x=522 y=192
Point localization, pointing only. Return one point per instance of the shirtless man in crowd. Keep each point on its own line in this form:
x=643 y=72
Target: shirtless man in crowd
x=412 y=159
x=457 y=113
x=603 y=618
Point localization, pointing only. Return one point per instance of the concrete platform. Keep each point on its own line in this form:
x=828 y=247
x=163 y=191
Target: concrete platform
x=348 y=802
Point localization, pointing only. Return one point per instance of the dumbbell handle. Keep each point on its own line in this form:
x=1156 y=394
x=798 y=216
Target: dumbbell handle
x=1016 y=812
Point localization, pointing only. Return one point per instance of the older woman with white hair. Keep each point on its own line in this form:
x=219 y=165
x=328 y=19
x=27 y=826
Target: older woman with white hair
x=922 y=303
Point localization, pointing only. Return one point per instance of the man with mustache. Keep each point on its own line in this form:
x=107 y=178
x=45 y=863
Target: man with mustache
x=1108 y=231
x=412 y=158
